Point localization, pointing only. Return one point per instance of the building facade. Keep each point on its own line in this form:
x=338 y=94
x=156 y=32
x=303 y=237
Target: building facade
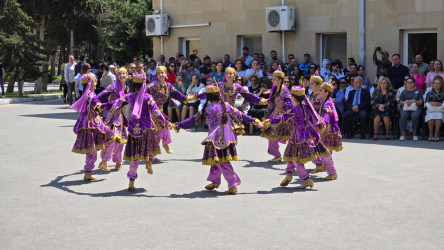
x=323 y=28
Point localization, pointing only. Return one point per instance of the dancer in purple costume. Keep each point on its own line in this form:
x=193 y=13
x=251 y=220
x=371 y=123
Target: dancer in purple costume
x=117 y=122
x=229 y=90
x=220 y=144
x=304 y=144
x=316 y=101
x=92 y=134
x=279 y=96
x=331 y=136
x=142 y=143
x=161 y=90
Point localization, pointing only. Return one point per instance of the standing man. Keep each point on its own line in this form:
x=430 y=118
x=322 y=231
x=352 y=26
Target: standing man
x=69 y=77
x=227 y=62
x=161 y=60
x=2 y=82
x=108 y=78
x=423 y=67
x=273 y=55
x=397 y=72
x=246 y=57
x=305 y=66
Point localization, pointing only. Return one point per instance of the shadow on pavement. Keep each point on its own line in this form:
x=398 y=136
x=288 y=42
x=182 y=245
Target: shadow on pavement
x=396 y=143
x=266 y=165
x=203 y=194
x=65 y=186
x=286 y=190
x=67 y=116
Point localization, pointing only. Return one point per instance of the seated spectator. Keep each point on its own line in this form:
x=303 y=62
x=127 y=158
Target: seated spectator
x=171 y=73
x=338 y=94
x=263 y=68
x=350 y=61
x=435 y=108
x=287 y=82
x=255 y=86
x=218 y=75
x=273 y=56
x=107 y=77
x=179 y=85
x=358 y=104
x=292 y=66
x=304 y=66
x=419 y=77
x=257 y=110
x=240 y=67
x=312 y=69
x=193 y=89
x=227 y=62
x=423 y=67
x=253 y=71
x=273 y=67
x=240 y=103
x=410 y=102
x=206 y=69
x=438 y=70
x=335 y=69
x=306 y=84
x=383 y=72
x=384 y=103
x=325 y=69
x=350 y=82
x=361 y=73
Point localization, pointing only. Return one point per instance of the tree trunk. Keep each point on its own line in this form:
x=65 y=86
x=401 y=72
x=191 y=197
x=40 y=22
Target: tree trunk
x=40 y=81
x=61 y=57
x=45 y=75
x=20 y=81
x=11 y=83
x=71 y=43
x=53 y=61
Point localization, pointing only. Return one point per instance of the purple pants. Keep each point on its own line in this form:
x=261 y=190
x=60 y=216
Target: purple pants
x=165 y=136
x=317 y=161
x=329 y=164
x=132 y=172
x=90 y=161
x=113 y=151
x=300 y=169
x=227 y=170
x=273 y=147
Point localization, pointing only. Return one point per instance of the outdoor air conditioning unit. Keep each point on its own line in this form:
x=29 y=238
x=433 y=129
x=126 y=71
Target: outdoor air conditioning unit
x=157 y=25
x=280 y=18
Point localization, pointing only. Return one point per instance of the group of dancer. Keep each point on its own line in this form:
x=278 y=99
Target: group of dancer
x=307 y=124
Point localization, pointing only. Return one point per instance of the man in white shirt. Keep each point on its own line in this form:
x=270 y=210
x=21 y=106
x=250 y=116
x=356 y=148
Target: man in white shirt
x=254 y=71
x=69 y=77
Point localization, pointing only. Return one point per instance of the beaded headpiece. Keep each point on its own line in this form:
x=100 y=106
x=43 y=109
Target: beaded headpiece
x=230 y=69
x=316 y=78
x=86 y=78
x=122 y=69
x=211 y=89
x=327 y=86
x=279 y=72
x=139 y=78
x=298 y=90
x=161 y=68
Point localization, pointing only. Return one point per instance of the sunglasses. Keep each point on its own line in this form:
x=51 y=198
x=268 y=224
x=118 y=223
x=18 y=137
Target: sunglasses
x=172 y=65
x=342 y=82
x=312 y=68
x=132 y=67
x=286 y=81
x=238 y=80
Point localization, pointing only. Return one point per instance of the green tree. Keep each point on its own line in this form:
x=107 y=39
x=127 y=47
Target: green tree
x=21 y=51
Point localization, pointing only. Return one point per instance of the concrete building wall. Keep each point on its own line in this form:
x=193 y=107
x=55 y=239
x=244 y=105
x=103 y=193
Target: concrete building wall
x=386 y=23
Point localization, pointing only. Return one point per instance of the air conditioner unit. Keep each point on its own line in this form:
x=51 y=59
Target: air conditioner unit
x=280 y=18
x=157 y=25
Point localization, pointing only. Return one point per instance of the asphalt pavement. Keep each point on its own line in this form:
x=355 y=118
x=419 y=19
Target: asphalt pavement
x=389 y=195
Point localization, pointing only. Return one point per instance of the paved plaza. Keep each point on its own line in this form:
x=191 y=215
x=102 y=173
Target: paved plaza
x=389 y=195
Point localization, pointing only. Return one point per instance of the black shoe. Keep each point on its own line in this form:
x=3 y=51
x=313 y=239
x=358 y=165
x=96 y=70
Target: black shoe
x=64 y=100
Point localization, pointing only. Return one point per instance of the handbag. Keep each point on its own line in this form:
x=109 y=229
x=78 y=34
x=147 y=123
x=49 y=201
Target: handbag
x=412 y=107
x=434 y=109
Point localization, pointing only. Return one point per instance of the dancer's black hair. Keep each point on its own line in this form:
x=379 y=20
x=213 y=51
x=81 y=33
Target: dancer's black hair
x=323 y=103
x=137 y=86
x=301 y=100
x=214 y=97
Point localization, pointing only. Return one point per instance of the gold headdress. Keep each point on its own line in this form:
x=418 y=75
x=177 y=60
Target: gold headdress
x=122 y=69
x=327 y=86
x=212 y=89
x=230 y=69
x=161 y=68
x=298 y=90
x=279 y=72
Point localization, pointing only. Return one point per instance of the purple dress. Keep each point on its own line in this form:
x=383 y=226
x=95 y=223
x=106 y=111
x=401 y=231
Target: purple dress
x=331 y=136
x=117 y=121
x=92 y=134
x=283 y=130
x=161 y=93
x=229 y=94
x=304 y=144
x=315 y=100
x=220 y=144
x=142 y=141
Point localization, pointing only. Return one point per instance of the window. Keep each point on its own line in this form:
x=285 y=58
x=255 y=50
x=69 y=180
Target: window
x=254 y=44
x=420 y=42
x=188 y=45
x=334 y=46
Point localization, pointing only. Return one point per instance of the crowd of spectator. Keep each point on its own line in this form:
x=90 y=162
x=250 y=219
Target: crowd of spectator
x=400 y=98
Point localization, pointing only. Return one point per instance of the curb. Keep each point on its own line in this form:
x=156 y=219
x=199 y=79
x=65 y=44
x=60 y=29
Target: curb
x=30 y=99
